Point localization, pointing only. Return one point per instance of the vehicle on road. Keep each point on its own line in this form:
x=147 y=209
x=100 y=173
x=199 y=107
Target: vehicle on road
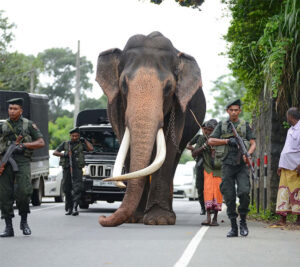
x=185 y=181
x=94 y=126
x=53 y=185
x=35 y=108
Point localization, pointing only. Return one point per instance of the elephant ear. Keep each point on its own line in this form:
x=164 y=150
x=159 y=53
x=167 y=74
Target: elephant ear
x=108 y=78
x=108 y=74
x=188 y=79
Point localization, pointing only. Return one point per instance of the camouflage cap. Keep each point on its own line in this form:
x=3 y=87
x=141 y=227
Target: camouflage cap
x=16 y=101
x=236 y=102
x=74 y=130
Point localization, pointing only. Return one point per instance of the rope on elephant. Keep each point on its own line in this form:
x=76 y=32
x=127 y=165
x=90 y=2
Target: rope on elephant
x=171 y=130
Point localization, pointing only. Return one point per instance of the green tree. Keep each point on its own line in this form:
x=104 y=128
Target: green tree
x=92 y=103
x=186 y=3
x=264 y=49
x=185 y=157
x=6 y=34
x=15 y=68
x=59 y=131
x=60 y=73
x=226 y=88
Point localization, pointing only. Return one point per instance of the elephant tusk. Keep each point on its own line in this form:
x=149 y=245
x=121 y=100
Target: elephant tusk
x=156 y=164
x=122 y=153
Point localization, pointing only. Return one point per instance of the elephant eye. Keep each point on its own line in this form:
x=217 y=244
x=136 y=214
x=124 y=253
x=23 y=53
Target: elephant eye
x=124 y=87
x=168 y=88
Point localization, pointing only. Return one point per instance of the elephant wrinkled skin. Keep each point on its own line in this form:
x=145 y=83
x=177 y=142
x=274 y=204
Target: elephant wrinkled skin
x=150 y=85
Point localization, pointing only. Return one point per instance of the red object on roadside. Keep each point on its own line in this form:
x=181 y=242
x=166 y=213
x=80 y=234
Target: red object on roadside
x=258 y=162
x=266 y=159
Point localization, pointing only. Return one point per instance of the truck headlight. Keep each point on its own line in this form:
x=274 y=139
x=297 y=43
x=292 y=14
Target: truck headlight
x=86 y=170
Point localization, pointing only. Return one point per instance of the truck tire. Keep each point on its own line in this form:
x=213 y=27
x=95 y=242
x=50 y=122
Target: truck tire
x=84 y=205
x=61 y=197
x=37 y=195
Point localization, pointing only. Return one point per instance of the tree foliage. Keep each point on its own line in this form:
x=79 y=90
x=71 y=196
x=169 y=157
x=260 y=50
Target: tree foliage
x=264 y=48
x=6 y=34
x=92 y=103
x=225 y=89
x=186 y=3
x=15 y=68
x=60 y=76
x=59 y=131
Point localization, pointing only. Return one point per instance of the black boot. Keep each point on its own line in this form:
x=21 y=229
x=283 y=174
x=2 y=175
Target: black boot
x=69 y=211
x=75 y=212
x=243 y=226
x=203 y=210
x=234 y=229
x=24 y=225
x=9 y=230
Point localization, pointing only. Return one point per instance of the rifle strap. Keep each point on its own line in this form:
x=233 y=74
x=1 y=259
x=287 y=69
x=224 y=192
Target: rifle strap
x=12 y=129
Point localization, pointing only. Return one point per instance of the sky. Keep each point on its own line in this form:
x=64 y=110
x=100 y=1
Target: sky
x=105 y=24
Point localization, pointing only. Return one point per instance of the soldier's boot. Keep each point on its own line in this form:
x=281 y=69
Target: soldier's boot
x=69 y=211
x=75 y=212
x=243 y=226
x=234 y=229
x=24 y=225
x=9 y=230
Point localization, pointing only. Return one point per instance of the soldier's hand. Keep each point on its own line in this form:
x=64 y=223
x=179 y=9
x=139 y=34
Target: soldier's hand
x=232 y=142
x=20 y=148
x=82 y=139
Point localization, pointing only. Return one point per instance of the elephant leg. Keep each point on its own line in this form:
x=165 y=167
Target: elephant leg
x=159 y=210
x=138 y=215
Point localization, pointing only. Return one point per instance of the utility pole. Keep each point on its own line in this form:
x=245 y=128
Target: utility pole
x=32 y=81
x=77 y=87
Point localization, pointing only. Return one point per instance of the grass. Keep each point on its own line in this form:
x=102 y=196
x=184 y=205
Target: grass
x=270 y=217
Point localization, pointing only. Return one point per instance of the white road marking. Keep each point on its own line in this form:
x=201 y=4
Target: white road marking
x=191 y=248
x=52 y=207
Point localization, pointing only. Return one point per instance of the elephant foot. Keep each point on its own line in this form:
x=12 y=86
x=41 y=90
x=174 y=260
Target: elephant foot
x=137 y=217
x=159 y=216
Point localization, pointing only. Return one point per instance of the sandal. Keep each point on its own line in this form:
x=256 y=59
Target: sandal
x=277 y=225
x=214 y=223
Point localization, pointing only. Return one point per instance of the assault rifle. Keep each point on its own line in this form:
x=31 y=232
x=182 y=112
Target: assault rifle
x=70 y=160
x=243 y=149
x=7 y=157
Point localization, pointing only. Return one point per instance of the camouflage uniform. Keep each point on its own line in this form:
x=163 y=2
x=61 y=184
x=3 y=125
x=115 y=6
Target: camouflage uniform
x=234 y=170
x=72 y=185
x=17 y=185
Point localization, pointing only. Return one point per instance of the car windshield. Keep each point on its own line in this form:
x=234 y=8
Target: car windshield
x=53 y=161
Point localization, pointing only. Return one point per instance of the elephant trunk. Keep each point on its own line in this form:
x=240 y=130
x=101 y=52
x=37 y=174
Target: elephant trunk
x=140 y=155
x=144 y=117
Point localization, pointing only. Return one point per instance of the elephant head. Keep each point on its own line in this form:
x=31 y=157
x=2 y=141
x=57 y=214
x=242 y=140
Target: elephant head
x=142 y=83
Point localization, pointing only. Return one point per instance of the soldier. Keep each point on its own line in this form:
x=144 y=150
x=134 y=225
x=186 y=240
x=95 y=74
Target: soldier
x=17 y=184
x=234 y=169
x=72 y=174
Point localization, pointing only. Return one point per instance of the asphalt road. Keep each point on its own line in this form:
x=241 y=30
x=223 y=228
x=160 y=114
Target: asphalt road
x=59 y=240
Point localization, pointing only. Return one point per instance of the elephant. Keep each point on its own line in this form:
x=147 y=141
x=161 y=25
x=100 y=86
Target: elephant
x=151 y=89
